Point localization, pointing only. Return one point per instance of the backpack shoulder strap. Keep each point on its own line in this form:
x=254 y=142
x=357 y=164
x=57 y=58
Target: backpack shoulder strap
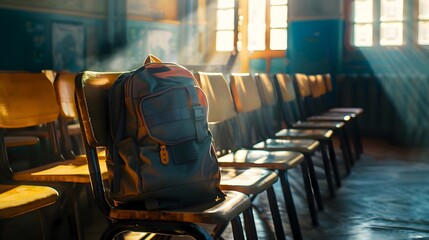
x=199 y=113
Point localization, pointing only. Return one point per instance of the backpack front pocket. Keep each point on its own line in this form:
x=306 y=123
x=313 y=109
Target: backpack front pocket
x=174 y=116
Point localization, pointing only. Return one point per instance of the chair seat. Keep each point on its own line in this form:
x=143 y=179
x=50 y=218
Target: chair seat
x=344 y=114
x=19 y=199
x=250 y=181
x=318 y=134
x=336 y=118
x=281 y=160
x=357 y=111
x=302 y=146
x=19 y=141
x=63 y=171
x=214 y=212
x=318 y=125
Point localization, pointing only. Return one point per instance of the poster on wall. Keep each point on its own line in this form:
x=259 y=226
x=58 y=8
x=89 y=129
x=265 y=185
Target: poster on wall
x=68 y=47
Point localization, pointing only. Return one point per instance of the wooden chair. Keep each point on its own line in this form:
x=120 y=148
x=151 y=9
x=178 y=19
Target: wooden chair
x=69 y=128
x=249 y=107
x=251 y=181
x=293 y=119
x=329 y=87
x=311 y=107
x=276 y=127
x=28 y=99
x=324 y=84
x=91 y=94
x=64 y=85
x=223 y=122
x=16 y=200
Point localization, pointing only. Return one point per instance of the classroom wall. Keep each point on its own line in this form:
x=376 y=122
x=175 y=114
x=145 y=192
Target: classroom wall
x=86 y=34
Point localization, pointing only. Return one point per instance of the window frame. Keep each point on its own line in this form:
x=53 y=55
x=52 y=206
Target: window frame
x=417 y=20
x=376 y=26
x=233 y=30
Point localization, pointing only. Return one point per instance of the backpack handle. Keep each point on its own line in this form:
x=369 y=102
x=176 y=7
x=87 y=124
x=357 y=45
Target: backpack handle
x=152 y=59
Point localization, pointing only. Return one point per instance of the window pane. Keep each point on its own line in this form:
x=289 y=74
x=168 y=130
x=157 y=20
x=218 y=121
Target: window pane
x=225 y=3
x=224 y=40
x=256 y=37
x=225 y=19
x=363 y=11
x=392 y=10
x=278 y=2
x=278 y=39
x=391 y=34
x=278 y=16
x=256 y=27
x=362 y=35
x=257 y=11
x=423 y=9
x=423 y=38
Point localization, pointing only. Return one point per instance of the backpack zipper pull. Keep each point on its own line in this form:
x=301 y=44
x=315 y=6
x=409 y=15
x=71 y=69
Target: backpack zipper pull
x=163 y=154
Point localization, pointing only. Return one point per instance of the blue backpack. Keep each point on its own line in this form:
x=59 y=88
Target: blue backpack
x=160 y=154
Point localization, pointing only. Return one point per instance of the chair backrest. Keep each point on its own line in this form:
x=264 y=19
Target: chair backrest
x=92 y=90
x=288 y=100
x=316 y=91
x=328 y=82
x=64 y=88
x=303 y=85
x=249 y=108
x=305 y=93
x=27 y=100
x=270 y=103
x=64 y=85
x=222 y=115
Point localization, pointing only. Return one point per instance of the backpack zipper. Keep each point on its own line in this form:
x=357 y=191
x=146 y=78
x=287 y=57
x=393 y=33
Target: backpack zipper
x=163 y=154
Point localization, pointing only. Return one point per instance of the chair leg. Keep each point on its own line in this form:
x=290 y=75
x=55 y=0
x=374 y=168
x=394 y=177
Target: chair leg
x=249 y=224
x=290 y=206
x=328 y=170
x=43 y=227
x=358 y=136
x=355 y=141
x=71 y=196
x=278 y=226
x=314 y=182
x=345 y=152
x=348 y=146
x=334 y=164
x=237 y=228
x=309 y=193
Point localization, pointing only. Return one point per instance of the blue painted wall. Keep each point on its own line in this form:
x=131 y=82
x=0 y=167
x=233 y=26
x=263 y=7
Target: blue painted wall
x=28 y=43
x=315 y=46
x=82 y=36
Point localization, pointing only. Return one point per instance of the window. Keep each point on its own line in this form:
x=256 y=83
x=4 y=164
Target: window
x=390 y=23
x=423 y=23
x=225 y=25
x=259 y=16
x=363 y=23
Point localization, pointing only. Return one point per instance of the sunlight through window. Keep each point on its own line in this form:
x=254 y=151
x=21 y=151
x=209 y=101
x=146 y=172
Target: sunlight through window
x=225 y=25
x=391 y=26
x=363 y=23
x=423 y=23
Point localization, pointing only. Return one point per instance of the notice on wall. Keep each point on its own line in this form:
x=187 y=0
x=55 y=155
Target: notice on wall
x=68 y=47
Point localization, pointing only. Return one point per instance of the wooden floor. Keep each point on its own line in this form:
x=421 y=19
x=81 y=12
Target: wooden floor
x=385 y=197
